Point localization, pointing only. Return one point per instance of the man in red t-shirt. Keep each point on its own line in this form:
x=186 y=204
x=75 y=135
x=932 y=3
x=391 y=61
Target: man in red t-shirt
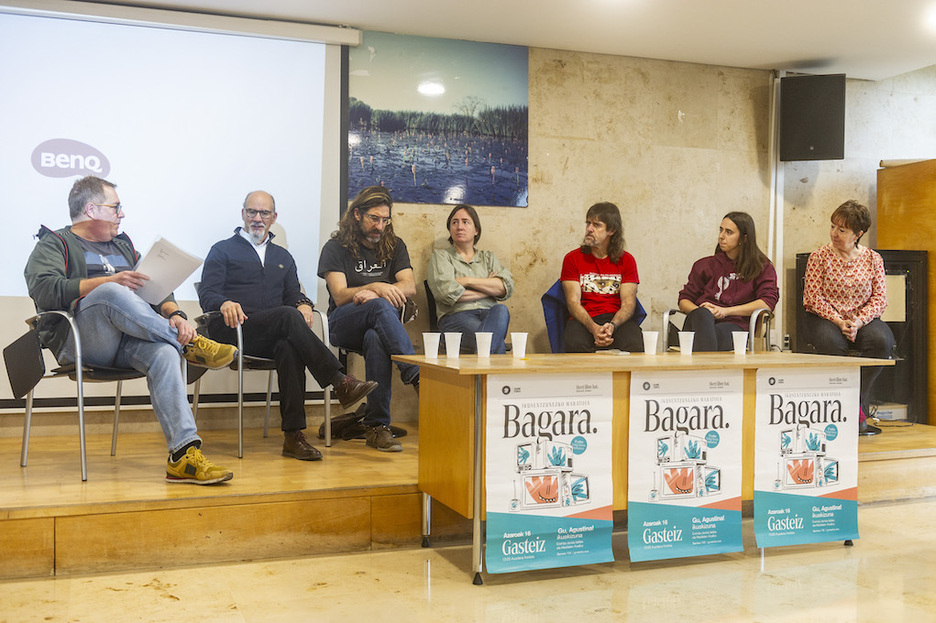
x=599 y=281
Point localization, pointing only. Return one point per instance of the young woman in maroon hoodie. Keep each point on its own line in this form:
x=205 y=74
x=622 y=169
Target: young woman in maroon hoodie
x=724 y=289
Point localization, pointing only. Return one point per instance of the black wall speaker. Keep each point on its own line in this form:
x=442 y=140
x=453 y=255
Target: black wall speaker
x=812 y=117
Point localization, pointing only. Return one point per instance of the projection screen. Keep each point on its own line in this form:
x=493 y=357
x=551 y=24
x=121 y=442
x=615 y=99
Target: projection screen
x=185 y=113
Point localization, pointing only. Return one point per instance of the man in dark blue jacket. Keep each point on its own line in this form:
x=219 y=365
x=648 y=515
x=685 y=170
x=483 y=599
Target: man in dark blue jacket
x=254 y=283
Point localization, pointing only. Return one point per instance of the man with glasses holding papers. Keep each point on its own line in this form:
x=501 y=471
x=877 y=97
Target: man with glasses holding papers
x=255 y=284
x=87 y=269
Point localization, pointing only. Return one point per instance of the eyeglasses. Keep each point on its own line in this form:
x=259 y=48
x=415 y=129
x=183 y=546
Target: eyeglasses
x=377 y=220
x=116 y=206
x=264 y=214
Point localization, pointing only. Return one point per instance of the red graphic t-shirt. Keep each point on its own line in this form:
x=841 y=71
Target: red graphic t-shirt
x=600 y=279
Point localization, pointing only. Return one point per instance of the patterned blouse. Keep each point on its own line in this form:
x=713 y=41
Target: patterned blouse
x=840 y=290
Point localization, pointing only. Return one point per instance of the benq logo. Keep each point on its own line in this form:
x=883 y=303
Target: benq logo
x=63 y=157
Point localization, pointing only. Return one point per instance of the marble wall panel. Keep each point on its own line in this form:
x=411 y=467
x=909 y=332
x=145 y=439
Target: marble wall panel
x=685 y=105
x=675 y=146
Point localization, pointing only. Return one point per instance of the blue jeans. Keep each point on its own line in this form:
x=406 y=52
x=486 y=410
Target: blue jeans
x=875 y=339
x=492 y=320
x=121 y=330
x=374 y=329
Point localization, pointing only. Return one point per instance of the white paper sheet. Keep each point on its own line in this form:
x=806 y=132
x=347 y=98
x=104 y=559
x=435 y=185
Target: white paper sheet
x=167 y=266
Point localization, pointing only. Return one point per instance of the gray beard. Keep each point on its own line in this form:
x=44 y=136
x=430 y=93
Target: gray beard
x=256 y=236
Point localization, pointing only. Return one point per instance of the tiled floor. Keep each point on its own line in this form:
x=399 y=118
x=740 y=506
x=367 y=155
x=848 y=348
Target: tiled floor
x=887 y=576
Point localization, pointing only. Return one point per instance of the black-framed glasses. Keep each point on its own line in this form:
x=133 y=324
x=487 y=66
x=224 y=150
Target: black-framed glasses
x=264 y=214
x=116 y=206
x=377 y=220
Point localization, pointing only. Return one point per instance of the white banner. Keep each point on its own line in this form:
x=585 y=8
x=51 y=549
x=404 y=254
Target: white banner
x=806 y=455
x=548 y=471
x=684 y=464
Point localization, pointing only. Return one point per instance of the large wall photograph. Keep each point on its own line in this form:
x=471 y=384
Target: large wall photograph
x=439 y=120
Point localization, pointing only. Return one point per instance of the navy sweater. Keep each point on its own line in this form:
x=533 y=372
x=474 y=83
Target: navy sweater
x=232 y=272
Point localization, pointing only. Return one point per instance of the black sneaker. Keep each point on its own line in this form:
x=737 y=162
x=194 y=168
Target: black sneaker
x=381 y=437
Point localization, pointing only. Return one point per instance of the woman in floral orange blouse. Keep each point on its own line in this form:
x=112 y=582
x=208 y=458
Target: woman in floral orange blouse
x=845 y=294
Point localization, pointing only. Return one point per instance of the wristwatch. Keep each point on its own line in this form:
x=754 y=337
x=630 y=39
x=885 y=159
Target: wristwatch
x=178 y=312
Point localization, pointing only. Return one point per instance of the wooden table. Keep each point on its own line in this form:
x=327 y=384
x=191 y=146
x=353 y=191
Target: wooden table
x=452 y=415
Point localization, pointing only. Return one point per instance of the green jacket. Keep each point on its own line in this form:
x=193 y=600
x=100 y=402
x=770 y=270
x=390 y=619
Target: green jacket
x=445 y=265
x=54 y=272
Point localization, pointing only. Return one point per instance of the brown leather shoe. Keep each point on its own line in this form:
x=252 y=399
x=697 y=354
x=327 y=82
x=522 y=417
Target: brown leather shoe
x=381 y=437
x=351 y=390
x=295 y=446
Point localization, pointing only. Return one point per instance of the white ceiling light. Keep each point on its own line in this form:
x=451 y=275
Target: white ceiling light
x=929 y=18
x=431 y=89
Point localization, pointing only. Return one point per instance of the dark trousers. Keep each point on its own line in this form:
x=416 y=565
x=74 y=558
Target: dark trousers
x=578 y=339
x=709 y=334
x=875 y=339
x=281 y=334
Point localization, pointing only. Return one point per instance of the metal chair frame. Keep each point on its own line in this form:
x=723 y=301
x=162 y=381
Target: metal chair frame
x=246 y=362
x=760 y=316
x=79 y=372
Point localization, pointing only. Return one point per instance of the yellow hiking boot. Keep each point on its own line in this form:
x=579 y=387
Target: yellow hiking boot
x=195 y=469
x=209 y=354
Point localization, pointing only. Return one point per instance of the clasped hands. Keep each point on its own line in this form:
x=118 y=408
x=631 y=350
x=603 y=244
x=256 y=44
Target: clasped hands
x=850 y=328
x=383 y=290
x=603 y=334
x=718 y=312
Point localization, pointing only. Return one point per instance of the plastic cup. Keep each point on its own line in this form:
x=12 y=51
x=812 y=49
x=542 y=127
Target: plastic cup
x=483 y=340
x=431 y=344
x=685 y=342
x=452 y=345
x=740 y=339
x=518 y=341
x=650 y=341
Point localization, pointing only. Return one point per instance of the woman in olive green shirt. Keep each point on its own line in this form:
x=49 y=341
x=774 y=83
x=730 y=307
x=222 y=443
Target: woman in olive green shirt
x=467 y=284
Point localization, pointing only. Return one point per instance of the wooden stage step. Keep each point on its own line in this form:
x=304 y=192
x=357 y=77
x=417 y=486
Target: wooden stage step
x=127 y=517
x=898 y=464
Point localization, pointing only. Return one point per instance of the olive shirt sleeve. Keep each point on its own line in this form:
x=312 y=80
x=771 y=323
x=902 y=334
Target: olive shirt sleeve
x=494 y=266
x=445 y=266
x=441 y=276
